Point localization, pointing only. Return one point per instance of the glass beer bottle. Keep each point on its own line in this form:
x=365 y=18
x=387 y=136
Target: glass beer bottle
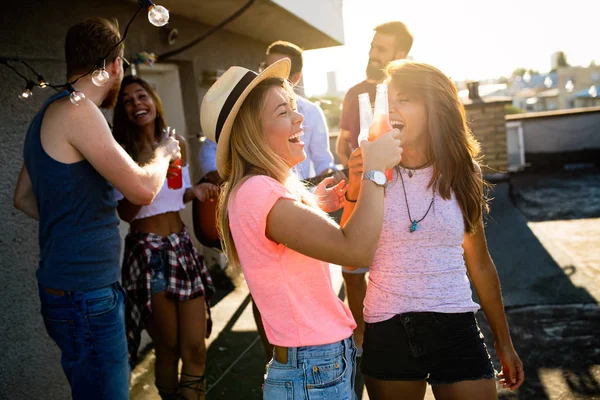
x=176 y=180
x=381 y=118
x=365 y=113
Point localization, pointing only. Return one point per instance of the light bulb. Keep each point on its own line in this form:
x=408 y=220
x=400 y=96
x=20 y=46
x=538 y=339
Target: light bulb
x=77 y=97
x=27 y=93
x=593 y=92
x=100 y=77
x=548 y=82
x=42 y=82
x=158 y=15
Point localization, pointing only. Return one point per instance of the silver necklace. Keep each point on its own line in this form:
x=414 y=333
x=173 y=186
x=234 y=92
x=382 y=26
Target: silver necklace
x=414 y=222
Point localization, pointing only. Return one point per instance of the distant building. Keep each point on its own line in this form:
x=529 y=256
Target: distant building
x=574 y=80
x=554 y=60
x=567 y=87
x=332 y=85
x=587 y=97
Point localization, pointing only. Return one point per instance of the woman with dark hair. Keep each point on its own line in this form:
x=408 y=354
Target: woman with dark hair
x=419 y=313
x=168 y=286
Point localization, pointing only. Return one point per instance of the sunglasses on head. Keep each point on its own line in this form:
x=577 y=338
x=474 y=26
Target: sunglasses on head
x=126 y=65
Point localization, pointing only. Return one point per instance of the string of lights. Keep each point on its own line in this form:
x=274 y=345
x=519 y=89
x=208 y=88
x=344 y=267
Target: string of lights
x=208 y=33
x=157 y=15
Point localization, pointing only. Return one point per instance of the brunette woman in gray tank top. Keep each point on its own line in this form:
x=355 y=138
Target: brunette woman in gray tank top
x=419 y=312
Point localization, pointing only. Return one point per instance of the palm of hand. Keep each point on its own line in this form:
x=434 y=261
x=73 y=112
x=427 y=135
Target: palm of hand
x=330 y=199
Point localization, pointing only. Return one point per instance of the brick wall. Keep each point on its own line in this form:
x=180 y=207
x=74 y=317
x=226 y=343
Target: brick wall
x=486 y=120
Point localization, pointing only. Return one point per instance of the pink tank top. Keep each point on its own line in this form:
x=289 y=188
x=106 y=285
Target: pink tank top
x=423 y=270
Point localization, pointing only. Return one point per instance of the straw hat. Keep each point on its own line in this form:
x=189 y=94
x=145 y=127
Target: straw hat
x=224 y=99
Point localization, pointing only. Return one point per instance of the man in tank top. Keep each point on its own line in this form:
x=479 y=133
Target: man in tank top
x=71 y=163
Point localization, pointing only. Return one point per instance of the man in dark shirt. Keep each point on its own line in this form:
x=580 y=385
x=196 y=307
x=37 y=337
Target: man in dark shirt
x=392 y=41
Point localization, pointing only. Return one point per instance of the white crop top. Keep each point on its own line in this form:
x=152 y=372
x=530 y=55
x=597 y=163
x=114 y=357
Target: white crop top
x=167 y=200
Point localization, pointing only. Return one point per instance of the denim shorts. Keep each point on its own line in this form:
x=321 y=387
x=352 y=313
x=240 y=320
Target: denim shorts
x=441 y=348
x=89 y=329
x=158 y=264
x=324 y=372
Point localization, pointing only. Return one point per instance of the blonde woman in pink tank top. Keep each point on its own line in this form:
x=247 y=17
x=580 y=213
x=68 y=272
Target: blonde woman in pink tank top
x=419 y=313
x=280 y=235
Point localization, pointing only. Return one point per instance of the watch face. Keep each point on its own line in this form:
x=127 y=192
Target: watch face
x=376 y=176
x=379 y=178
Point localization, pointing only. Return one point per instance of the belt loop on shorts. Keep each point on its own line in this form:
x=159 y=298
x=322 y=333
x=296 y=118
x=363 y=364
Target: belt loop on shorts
x=293 y=356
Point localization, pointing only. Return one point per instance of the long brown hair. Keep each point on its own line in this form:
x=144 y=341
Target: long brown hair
x=250 y=155
x=125 y=132
x=451 y=147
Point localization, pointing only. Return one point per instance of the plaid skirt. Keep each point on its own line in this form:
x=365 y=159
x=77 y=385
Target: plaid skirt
x=187 y=278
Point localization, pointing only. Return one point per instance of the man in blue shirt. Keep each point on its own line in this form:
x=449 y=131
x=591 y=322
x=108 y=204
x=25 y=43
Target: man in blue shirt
x=319 y=159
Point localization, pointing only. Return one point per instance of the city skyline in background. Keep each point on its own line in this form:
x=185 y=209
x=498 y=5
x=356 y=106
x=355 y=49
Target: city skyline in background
x=466 y=39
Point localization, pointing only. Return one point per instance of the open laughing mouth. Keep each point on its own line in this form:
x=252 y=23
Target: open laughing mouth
x=140 y=113
x=396 y=124
x=295 y=138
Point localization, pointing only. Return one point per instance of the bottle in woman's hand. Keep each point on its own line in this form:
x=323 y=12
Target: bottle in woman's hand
x=382 y=153
x=381 y=119
x=174 y=180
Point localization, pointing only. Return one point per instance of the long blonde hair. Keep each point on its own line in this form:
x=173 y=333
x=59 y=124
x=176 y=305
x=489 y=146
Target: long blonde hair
x=251 y=155
x=451 y=147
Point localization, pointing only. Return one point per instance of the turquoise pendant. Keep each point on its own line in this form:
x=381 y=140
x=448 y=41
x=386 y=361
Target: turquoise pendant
x=413 y=227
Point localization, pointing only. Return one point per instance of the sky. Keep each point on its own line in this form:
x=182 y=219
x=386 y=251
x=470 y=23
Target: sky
x=466 y=39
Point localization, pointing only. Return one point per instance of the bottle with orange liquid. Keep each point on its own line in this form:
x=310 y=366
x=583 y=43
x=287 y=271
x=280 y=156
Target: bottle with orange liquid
x=381 y=118
x=175 y=181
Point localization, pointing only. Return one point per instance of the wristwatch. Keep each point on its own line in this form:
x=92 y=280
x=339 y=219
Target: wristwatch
x=376 y=176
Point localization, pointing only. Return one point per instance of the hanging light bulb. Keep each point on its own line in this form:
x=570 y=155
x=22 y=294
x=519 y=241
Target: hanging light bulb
x=548 y=82
x=27 y=92
x=593 y=92
x=76 y=97
x=158 y=15
x=100 y=77
x=42 y=82
x=570 y=85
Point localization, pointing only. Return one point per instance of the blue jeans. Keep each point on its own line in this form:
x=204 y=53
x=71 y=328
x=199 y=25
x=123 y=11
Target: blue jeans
x=89 y=329
x=323 y=372
x=158 y=263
